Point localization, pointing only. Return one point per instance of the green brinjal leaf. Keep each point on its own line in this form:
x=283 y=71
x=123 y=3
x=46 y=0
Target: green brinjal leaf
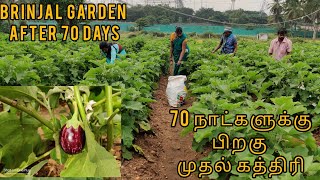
x=18 y=139
x=24 y=93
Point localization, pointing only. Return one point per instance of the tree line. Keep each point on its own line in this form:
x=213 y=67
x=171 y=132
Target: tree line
x=286 y=10
x=150 y=15
x=281 y=11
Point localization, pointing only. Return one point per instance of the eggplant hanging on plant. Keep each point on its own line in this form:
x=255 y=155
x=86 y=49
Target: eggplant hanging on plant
x=72 y=136
x=72 y=140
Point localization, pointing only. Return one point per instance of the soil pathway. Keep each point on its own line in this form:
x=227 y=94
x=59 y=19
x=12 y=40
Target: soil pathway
x=164 y=148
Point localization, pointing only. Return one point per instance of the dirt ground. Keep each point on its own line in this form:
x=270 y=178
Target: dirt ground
x=165 y=148
x=316 y=135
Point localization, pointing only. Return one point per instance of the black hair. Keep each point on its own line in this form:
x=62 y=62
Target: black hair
x=108 y=46
x=178 y=30
x=103 y=45
x=282 y=31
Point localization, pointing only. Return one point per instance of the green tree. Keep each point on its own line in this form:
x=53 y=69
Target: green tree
x=151 y=20
x=183 y=18
x=241 y=16
x=164 y=20
x=164 y=14
x=205 y=13
x=141 y=23
x=135 y=12
x=293 y=9
x=311 y=6
x=276 y=9
x=209 y=13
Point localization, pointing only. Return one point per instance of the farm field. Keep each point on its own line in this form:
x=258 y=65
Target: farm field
x=49 y=64
x=253 y=83
x=250 y=83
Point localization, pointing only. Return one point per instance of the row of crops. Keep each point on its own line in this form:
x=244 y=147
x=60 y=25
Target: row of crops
x=79 y=63
x=253 y=83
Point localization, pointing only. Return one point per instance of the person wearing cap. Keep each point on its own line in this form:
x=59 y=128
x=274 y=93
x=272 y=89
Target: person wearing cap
x=179 y=50
x=228 y=43
x=111 y=51
x=280 y=46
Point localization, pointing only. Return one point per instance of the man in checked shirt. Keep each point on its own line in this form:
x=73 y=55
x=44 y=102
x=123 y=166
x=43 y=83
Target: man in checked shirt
x=281 y=46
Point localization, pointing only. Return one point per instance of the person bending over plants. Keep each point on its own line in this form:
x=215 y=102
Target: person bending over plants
x=111 y=51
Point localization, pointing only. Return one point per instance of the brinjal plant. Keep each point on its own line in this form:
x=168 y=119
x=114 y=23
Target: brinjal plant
x=252 y=83
x=65 y=125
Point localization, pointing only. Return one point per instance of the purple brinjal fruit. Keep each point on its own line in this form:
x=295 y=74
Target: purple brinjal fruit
x=72 y=140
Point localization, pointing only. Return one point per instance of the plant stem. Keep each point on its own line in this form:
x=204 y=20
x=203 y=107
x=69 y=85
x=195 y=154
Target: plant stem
x=85 y=99
x=113 y=115
x=80 y=104
x=116 y=94
x=109 y=110
x=50 y=110
x=71 y=107
x=57 y=147
x=99 y=102
x=104 y=99
x=116 y=89
x=32 y=113
x=75 y=110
